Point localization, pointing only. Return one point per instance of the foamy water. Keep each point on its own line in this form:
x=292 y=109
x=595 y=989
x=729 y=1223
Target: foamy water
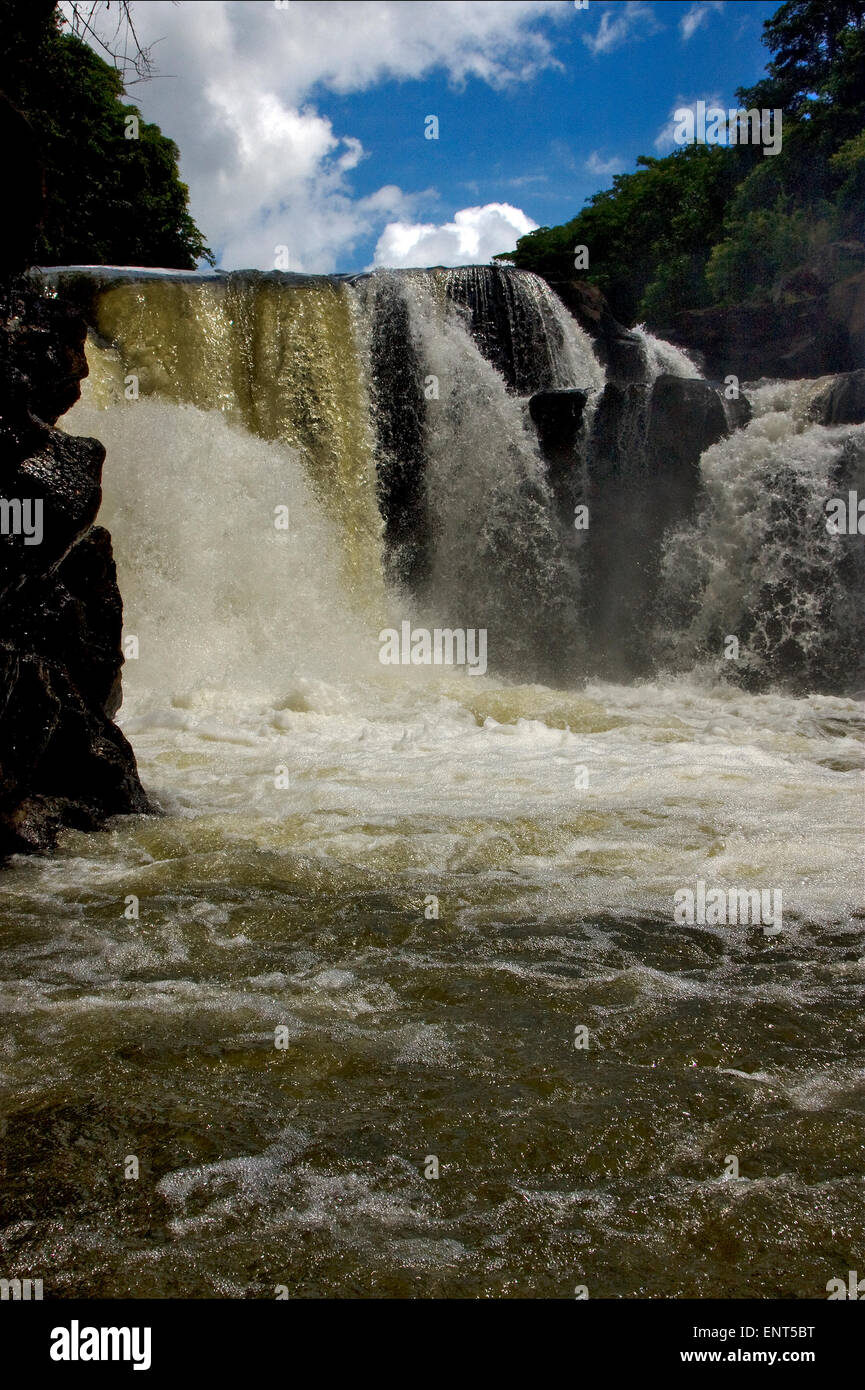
x=424 y=884
x=409 y=1035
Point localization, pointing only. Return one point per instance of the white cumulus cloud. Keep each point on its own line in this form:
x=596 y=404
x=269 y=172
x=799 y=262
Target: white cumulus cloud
x=665 y=138
x=473 y=237
x=240 y=86
x=697 y=15
x=603 y=168
x=632 y=20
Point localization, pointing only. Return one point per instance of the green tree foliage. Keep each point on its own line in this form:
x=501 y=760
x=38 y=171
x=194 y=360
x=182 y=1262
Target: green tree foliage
x=667 y=212
x=817 y=72
x=719 y=225
x=789 y=207
x=849 y=163
x=109 y=199
x=766 y=244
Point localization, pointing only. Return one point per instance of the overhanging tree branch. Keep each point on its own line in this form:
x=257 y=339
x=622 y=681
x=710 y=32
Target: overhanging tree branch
x=128 y=55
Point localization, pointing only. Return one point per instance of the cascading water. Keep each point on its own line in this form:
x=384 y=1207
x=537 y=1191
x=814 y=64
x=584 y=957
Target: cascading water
x=493 y=545
x=522 y=328
x=218 y=596
x=293 y=361
x=275 y=354
x=662 y=357
x=428 y=880
x=761 y=564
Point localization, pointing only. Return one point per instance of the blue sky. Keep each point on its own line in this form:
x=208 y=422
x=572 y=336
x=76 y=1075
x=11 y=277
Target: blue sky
x=530 y=144
x=302 y=126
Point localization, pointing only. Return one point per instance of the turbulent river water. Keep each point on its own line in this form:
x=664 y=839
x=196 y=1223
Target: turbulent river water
x=386 y=906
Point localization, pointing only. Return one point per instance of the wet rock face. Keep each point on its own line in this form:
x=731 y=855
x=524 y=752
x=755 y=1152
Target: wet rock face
x=636 y=468
x=62 y=760
x=558 y=418
x=644 y=477
x=686 y=417
x=620 y=351
x=843 y=401
x=816 y=325
x=400 y=422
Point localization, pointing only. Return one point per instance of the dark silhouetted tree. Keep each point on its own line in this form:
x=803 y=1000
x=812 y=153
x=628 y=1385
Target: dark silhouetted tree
x=108 y=199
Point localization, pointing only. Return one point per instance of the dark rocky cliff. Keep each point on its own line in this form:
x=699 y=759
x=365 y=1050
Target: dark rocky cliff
x=814 y=325
x=63 y=762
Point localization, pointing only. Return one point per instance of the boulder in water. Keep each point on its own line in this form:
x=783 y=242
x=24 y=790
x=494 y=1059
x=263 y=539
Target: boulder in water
x=738 y=411
x=842 y=402
x=686 y=416
x=558 y=418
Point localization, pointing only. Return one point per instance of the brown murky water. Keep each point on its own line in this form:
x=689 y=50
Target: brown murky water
x=409 y=1036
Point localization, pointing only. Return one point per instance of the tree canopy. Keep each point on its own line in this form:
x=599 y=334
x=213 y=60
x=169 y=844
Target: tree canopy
x=715 y=224
x=112 y=190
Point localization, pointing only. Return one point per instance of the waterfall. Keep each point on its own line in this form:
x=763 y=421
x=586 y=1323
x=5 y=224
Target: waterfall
x=523 y=329
x=664 y=358
x=331 y=375
x=759 y=563
x=275 y=354
x=385 y=903
x=430 y=436
x=493 y=545
x=217 y=597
